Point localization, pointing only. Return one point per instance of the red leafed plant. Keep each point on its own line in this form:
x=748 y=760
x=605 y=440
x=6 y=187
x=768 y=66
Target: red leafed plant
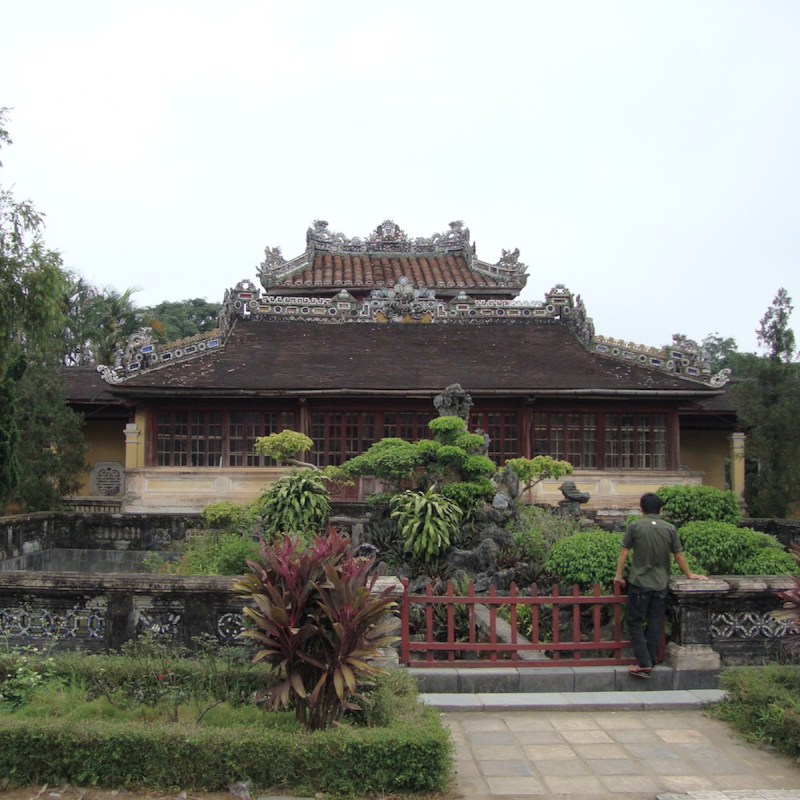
x=317 y=624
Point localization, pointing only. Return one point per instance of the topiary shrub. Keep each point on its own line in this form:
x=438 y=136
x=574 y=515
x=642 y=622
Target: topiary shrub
x=469 y=494
x=725 y=549
x=683 y=504
x=585 y=559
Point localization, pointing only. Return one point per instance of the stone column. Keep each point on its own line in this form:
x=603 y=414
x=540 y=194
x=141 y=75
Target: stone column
x=692 y=603
x=133 y=449
x=737 y=441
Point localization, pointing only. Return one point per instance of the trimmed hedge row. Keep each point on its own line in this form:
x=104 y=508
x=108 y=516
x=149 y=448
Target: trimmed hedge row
x=411 y=755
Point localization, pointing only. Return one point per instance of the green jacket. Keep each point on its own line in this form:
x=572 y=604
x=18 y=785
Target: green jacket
x=652 y=542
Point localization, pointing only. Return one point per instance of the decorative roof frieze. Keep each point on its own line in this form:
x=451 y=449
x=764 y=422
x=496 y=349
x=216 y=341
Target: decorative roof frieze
x=405 y=303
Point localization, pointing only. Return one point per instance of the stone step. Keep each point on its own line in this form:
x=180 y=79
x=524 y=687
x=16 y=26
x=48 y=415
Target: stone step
x=463 y=680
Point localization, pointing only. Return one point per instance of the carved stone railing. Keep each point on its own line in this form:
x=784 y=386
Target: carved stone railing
x=725 y=621
x=72 y=611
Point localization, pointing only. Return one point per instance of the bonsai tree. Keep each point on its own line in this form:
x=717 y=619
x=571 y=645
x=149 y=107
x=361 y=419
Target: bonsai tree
x=531 y=471
x=284 y=447
x=451 y=462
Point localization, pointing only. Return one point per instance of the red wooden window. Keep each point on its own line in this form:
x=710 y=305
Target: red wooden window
x=570 y=437
x=502 y=429
x=636 y=441
x=409 y=425
x=189 y=438
x=340 y=436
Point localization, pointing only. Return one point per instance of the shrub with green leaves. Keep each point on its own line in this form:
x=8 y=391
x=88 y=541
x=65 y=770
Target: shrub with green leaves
x=551 y=527
x=468 y=495
x=725 y=549
x=683 y=504
x=393 y=460
x=768 y=561
x=530 y=545
x=427 y=521
x=226 y=515
x=22 y=673
x=451 y=456
x=297 y=504
x=316 y=622
x=283 y=447
x=585 y=559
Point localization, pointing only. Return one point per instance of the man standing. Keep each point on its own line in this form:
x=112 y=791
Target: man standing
x=653 y=542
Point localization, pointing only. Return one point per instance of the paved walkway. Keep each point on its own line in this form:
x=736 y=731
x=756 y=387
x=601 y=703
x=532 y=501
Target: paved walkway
x=631 y=745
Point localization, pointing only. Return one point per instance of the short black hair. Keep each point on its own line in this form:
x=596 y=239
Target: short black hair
x=651 y=503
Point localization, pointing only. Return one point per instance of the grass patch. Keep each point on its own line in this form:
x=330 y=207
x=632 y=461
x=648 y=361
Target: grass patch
x=763 y=704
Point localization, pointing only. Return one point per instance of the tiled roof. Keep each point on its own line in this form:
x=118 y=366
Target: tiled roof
x=85 y=385
x=371 y=271
x=445 y=262
x=294 y=357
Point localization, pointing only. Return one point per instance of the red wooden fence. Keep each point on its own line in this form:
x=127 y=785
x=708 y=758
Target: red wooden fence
x=576 y=623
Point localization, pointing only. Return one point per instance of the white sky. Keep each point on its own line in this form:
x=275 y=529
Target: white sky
x=642 y=153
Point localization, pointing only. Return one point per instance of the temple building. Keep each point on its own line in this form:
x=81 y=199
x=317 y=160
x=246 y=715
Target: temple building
x=350 y=341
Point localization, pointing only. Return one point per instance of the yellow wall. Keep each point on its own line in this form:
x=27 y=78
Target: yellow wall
x=706 y=451
x=106 y=441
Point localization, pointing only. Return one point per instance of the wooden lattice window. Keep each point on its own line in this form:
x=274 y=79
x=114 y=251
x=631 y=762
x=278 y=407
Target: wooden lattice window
x=503 y=431
x=636 y=441
x=570 y=437
x=339 y=436
x=189 y=438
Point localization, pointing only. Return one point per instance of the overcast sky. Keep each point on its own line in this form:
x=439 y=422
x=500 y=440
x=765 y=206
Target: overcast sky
x=642 y=153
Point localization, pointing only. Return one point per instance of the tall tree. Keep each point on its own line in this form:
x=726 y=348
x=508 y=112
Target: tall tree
x=98 y=322
x=720 y=352
x=32 y=281
x=769 y=407
x=177 y=320
x=52 y=449
x=32 y=291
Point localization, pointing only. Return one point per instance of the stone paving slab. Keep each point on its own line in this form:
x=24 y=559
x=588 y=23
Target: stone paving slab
x=596 y=753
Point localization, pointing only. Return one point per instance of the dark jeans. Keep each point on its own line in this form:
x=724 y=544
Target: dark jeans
x=646 y=610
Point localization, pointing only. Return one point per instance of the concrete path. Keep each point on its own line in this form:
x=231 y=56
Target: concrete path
x=631 y=745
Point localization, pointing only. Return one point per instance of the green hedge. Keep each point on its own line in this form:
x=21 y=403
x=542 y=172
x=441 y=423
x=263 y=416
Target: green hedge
x=725 y=549
x=60 y=736
x=585 y=559
x=412 y=755
x=684 y=504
